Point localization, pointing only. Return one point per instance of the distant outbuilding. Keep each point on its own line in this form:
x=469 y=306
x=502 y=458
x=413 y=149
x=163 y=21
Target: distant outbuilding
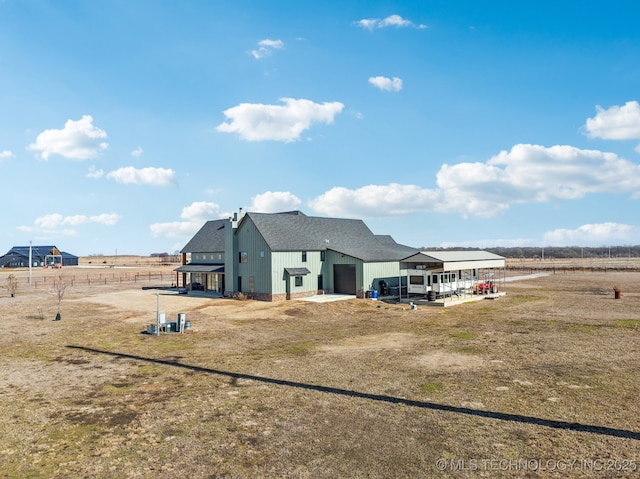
x=41 y=256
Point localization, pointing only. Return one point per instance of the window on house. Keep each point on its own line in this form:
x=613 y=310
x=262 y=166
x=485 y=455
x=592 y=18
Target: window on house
x=323 y=255
x=242 y=256
x=252 y=284
x=304 y=256
x=298 y=280
x=262 y=254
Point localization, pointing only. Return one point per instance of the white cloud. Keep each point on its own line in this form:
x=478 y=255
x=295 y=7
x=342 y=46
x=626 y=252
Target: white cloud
x=258 y=122
x=534 y=174
x=615 y=123
x=55 y=221
x=108 y=219
x=6 y=154
x=266 y=47
x=593 y=235
x=95 y=173
x=194 y=216
x=390 y=21
x=526 y=174
x=376 y=200
x=137 y=153
x=51 y=221
x=388 y=84
x=274 y=201
x=143 y=176
x=78 y=140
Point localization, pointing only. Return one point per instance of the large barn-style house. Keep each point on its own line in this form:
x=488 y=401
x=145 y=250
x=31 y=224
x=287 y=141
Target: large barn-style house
x=279 y=256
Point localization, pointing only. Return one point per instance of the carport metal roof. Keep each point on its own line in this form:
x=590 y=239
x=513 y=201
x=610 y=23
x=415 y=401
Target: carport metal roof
x=452 y=260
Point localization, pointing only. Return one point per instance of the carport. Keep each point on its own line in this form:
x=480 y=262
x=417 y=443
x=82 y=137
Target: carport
x=454 y=275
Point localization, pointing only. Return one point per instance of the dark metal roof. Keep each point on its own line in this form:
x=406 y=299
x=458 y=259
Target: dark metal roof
x=298 y=232
x=297 y=271
x=38 y=251
x=200 y=268
x=210 y=238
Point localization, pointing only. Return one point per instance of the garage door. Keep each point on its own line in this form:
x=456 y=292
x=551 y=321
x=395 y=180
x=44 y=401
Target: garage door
x=344 y=278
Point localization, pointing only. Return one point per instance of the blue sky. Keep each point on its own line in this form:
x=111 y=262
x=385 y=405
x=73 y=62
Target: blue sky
x=126 y=124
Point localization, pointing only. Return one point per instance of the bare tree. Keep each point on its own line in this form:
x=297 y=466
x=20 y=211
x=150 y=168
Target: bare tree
x=12 y=285
x=59 y=287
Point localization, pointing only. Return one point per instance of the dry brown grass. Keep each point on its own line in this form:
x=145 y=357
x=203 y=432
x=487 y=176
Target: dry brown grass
x=354 y=388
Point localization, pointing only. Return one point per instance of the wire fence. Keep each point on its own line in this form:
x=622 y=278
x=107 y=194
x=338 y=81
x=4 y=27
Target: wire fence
x=94 y=279
x=569 y=267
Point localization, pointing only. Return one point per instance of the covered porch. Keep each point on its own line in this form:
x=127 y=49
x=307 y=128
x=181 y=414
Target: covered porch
x=201 y=277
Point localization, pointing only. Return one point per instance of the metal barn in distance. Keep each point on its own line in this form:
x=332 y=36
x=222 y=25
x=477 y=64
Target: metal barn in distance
x=41 y=256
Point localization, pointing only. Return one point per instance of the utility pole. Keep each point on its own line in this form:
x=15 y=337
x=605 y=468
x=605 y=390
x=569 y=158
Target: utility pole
x=30 y=262
x=157 y=314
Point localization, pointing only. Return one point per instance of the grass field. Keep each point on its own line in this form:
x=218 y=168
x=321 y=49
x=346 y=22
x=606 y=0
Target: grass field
x=540 y=383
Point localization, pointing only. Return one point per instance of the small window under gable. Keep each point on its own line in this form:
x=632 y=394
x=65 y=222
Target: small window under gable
x=304 y=256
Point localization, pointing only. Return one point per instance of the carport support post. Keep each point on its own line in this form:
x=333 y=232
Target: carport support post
x=157 y=314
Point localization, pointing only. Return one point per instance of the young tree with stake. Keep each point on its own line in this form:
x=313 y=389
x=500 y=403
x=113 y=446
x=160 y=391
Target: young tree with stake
x=59 y=287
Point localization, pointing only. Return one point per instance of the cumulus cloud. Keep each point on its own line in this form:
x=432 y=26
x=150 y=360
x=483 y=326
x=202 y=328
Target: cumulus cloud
x=95 y=173
x=143 y=176
x=390 y=21
x=108 y=219
x=193 y=217
x=366 y=201
x=525 y=174
x=266 y=47
x=6 y=154
x=56 y=221
x=258 y=122
x=137 y=153
x=274 y=201
x=78 y=140
x=593 y=234
x=615 y=123
x=534 y=174
x=387 y=84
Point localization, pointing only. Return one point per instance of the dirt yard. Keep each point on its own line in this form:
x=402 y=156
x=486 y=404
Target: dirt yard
x=540 y=383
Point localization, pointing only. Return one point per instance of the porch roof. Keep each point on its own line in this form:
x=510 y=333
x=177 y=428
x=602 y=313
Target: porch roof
x=200 y=268
x=297 y=271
